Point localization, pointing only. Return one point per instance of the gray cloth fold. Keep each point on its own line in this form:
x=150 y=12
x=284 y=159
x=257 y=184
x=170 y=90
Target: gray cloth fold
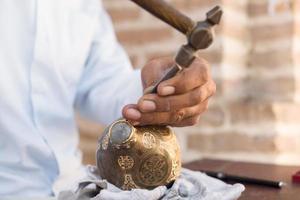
x=190 y=185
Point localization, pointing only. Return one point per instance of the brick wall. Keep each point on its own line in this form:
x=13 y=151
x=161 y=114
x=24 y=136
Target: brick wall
x=255 y=59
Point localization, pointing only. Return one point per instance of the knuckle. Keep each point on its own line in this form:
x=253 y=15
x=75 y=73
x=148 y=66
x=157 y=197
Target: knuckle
x=202 y=70
x=196 y=96
x=193 y=121
x=153 y=62
x=177 y=116
x=201 y=60
x=182 y=82
x=205 y=108
x=200 y=109
x=164 y=105
x=203 y=73
x=147 y=119
x=213 y=87
x=184 y=87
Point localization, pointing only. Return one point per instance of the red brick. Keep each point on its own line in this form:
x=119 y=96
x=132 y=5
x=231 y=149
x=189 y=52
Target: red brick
x=144 y=36
x=195 y=4
x=271 y=32
x=273 y=59
x=251 y=113
x=235 y=31
x=231 y=142
x=118 y=15
x=159 y=54
x=213 y=117
x=276 y=89
x=257 y=9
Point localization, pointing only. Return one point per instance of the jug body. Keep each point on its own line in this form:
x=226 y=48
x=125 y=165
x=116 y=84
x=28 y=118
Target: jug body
x=138 y=157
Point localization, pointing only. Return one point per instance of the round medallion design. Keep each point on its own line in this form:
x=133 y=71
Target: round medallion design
x=154 y=169
x=148 y=140
x=125 y=162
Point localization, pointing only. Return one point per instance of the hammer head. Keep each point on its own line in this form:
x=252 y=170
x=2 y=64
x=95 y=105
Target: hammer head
x=201 y=36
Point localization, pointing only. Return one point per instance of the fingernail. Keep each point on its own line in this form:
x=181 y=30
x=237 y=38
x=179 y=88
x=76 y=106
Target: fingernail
x=167 y=90
x=133 y=114
x=135 y=123
x=148 y=105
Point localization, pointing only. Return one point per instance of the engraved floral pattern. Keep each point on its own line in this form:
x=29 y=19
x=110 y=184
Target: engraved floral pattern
x=129 y=183
x=154 y=169
x=105 y=142
x=148 y=140
x=125 y=162
x=175 y=170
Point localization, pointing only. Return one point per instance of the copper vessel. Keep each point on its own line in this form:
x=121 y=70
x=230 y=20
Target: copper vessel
x=138 y=157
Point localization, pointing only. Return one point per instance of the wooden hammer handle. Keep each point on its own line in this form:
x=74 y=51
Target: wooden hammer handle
x=168 y=14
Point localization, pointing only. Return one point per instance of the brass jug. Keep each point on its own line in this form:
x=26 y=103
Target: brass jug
x=138 y=157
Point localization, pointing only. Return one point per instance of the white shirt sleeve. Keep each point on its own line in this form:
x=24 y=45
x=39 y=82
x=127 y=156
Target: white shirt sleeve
x=108 y=81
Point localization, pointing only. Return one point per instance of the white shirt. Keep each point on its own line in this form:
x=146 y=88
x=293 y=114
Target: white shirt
x=55 y=55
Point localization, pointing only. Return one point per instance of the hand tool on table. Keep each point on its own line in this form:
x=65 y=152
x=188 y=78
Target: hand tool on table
x=247 y=180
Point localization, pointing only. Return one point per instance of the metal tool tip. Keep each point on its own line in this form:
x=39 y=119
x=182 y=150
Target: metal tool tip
x=214 y=15
x=282 y=184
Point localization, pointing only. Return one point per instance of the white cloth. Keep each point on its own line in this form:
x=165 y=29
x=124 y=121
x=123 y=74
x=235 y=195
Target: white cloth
x=190 y=185
x=55 y=55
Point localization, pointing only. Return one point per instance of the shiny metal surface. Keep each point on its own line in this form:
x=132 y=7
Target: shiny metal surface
x=145 y=157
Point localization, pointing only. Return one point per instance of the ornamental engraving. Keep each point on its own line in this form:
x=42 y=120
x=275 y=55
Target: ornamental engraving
x=175 y=170
x=129 y=183
x=168 y=146
x=148 y=140
x=105 y=142
x=125 y=162
x=146 y=159
x=154 y=170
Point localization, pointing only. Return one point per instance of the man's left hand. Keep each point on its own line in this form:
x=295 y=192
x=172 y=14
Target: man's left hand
x=179 y=101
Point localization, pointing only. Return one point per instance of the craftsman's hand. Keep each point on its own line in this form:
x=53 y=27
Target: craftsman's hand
x=180 y=100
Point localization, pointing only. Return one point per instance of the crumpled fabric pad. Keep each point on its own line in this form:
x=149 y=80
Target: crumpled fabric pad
x=190 y=185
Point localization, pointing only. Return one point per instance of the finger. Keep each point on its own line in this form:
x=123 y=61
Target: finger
x=191 y=121
x=154 y=69
x=189 y=78
x=153 y=102
x=131 y=112
x=172 y=118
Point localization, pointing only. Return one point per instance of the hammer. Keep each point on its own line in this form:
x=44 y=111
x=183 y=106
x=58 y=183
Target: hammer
x=199 y=34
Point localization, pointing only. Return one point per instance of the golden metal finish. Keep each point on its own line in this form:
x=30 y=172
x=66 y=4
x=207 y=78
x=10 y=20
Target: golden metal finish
x=105 y=142
x=125 y=162
x=148 y=140
x=138 y=157
x=129 y=183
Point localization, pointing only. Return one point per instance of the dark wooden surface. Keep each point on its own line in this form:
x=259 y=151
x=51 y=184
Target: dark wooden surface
x=271 y=172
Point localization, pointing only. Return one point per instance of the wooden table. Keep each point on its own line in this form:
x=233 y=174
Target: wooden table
x=264 y=171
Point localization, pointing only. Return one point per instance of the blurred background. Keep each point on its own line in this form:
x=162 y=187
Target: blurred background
x=255 y=59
